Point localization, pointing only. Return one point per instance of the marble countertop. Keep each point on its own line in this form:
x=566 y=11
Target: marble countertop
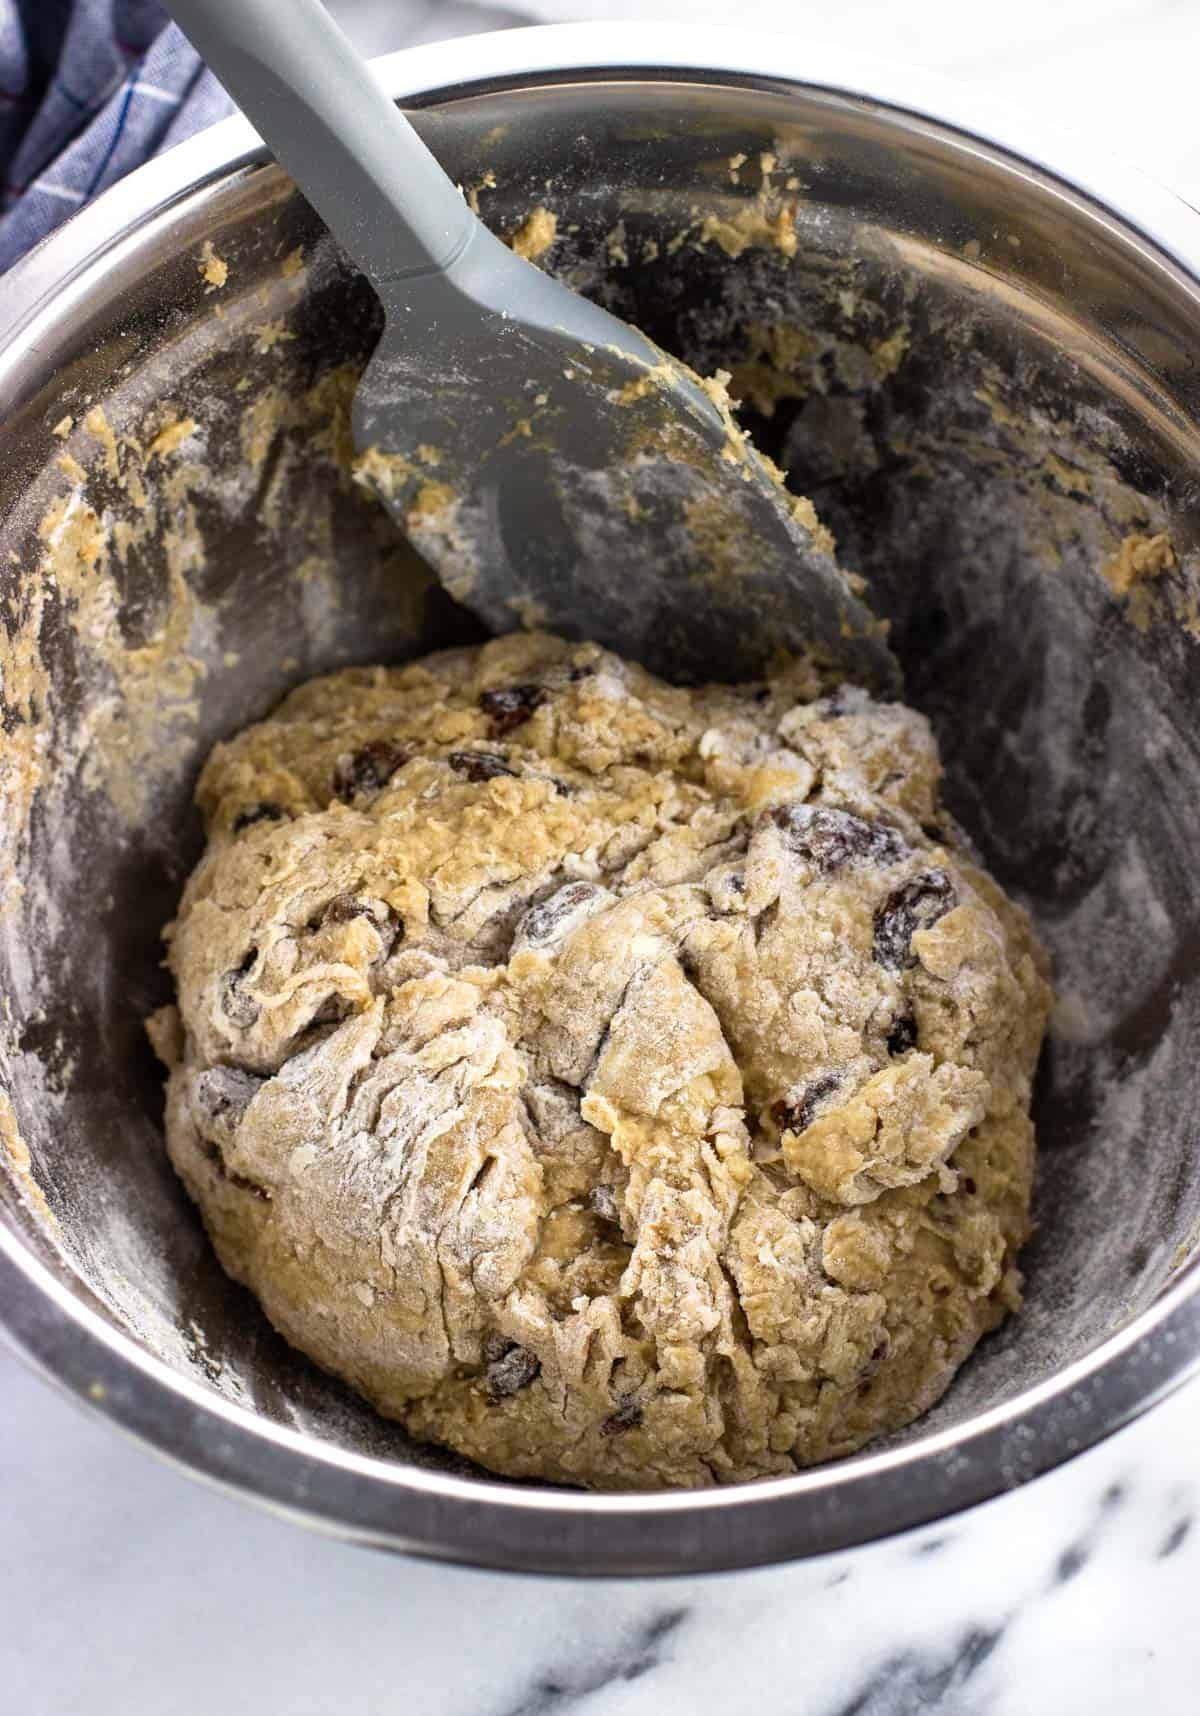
x=125 y=1587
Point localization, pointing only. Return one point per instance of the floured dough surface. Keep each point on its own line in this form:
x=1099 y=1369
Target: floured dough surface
x=623 y=1085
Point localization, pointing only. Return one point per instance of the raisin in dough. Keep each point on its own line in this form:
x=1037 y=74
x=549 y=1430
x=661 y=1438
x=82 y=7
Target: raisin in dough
x=622 y=1085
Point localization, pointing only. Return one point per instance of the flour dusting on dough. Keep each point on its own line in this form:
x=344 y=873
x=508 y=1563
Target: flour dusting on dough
x=622 y=1085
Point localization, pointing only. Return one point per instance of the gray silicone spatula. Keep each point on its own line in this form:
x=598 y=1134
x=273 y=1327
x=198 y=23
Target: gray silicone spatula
x=553 y=465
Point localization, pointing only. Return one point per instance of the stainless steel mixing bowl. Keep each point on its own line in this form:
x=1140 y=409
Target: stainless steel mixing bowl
x=988 y=377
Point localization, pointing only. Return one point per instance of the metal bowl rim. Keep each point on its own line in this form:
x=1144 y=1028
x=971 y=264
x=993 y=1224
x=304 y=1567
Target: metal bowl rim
x=354 y=1495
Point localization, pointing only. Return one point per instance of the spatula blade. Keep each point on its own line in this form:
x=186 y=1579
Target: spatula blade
x=597 y=488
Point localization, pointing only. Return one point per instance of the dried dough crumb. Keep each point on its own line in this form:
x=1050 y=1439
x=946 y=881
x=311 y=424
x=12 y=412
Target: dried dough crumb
x=536 y=233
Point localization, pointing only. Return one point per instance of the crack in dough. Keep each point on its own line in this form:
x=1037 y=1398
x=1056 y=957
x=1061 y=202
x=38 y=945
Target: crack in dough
x=648 y=1106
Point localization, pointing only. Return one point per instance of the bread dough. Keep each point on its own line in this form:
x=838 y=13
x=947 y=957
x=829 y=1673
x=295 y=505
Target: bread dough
x=622 y=1085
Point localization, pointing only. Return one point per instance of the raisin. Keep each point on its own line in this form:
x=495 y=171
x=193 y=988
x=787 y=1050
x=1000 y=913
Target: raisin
x=224 y=1094
x=903 y=1035
x=479 y=765
x=212 y=1152
x=238 y=1007
x=913 y=906
x=882 y=1347
x=627 y=1416
x=334 y=1010
x=602 y=1202
x=367 y=770
x=795 y=1113
x=509 y=706
x=514 y=1370
x=726 y=890
x=266 y=811
x=344 y=908
x=246 y=1185
x=830 y=839
x=541 y=921
x=836 y=704
x=969 y=1186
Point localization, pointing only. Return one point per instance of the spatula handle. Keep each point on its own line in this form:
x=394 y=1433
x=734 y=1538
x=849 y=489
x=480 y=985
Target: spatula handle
x=316 y=103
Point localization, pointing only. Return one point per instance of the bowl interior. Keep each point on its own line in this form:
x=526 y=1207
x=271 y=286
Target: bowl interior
x=986 y=388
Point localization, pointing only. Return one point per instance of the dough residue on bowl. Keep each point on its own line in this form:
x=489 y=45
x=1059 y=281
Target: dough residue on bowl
x=622 y=1085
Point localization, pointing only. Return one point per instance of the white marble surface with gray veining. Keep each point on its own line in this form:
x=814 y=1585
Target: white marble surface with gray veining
x=126 y=1588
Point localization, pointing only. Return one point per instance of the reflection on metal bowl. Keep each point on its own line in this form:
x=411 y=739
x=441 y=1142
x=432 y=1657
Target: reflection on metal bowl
x=985 y=372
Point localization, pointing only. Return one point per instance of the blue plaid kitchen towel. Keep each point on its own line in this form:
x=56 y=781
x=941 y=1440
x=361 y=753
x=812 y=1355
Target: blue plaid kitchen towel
x=88 y=89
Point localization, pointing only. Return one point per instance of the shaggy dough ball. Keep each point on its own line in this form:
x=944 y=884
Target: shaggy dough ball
x=623 y=1085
